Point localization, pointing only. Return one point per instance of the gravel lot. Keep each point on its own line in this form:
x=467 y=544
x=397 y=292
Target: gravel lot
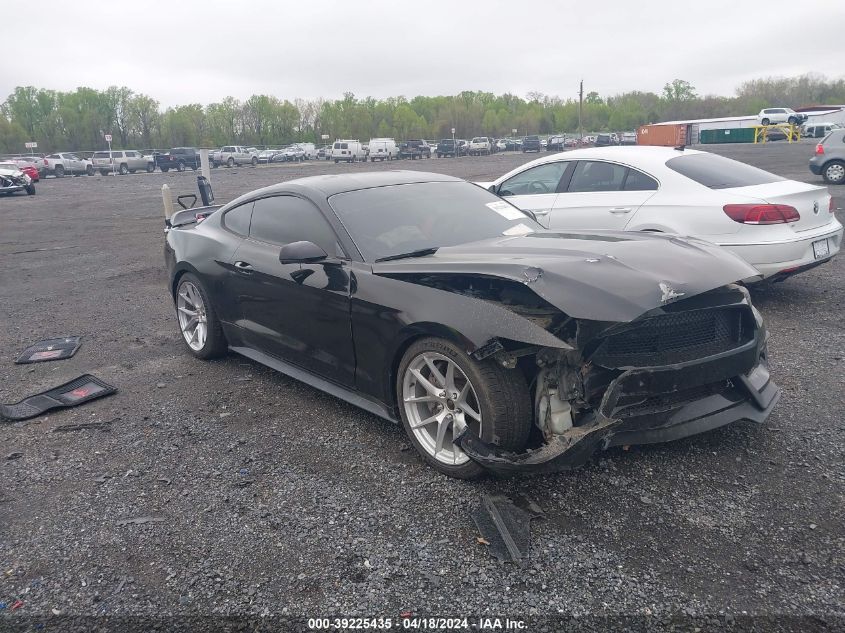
x=277 y=499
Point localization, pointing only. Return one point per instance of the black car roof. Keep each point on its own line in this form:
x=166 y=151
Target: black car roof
x=331 y=184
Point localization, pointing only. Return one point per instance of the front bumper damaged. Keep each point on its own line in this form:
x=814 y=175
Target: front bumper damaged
x=630 y=413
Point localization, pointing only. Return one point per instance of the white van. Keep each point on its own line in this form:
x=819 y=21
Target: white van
x=309 y=149
x=383 y=149
x=349 y=150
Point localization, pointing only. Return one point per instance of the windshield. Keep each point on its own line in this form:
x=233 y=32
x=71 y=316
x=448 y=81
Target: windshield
x=718 y=172
x=101 y=155
x=388 y=221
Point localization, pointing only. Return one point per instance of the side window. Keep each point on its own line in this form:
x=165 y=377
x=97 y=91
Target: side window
x=238 y=219
x=638 y=181
x=285 y=219
x=540 y=179
x=597 y=176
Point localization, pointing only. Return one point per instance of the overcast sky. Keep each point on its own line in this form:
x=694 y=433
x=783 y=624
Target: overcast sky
x=184 y=51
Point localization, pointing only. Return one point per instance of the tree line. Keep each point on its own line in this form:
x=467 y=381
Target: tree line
x=77 y=120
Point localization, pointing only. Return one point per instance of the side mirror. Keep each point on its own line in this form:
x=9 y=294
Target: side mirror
x=301 y=253
x=492 y=188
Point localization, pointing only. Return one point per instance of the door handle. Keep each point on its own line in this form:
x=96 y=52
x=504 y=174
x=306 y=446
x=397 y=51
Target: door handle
x=620 y=209
x=244 y=267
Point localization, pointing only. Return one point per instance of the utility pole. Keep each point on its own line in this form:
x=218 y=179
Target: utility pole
x=580 y=109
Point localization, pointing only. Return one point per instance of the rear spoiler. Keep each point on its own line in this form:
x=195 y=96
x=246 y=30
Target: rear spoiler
x=190 y=216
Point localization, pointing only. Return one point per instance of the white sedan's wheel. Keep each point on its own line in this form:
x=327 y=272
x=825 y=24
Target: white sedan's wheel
x=440 y=402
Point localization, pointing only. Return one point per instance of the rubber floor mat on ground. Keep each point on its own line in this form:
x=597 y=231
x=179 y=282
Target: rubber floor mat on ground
x=505 y=527
x=50 y=349
x=70 y=394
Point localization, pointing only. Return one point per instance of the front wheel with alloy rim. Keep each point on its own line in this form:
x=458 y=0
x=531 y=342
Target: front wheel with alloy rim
x=198 y=323
x=441 y=392
x=834 y=173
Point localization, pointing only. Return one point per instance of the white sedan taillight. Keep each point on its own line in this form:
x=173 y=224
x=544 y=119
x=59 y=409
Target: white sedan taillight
x=762 y=213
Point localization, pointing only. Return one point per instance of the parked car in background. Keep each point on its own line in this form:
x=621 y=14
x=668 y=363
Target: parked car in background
x=13 y=180
x=122 y=162
x=603 y=140
x=479 y=145
x=446 y=147
x=771 y=116
x=350 y=151
x=39 y=162
x=556 y=143
x=820 y=129
x=383 y=149
x=28 y=165
x=463 y=147
x=68 y=164
x=497 y=345
x=628 y=138
x=828 y=161
x=779 y=226
x=180 y=158
x=414 y=149
x=513 y=144
x=531 y=144
x=291 y=154
x=324 y=152
x=231 y=155
x=267 y=155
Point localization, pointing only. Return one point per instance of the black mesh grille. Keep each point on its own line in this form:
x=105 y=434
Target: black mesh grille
x=673 y=338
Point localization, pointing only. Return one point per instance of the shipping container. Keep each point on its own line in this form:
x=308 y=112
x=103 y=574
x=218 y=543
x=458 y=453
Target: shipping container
x=735 y=135
x=672 y=135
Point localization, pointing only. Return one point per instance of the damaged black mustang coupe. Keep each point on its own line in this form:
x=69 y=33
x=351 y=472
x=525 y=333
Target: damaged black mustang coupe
x=499 y=345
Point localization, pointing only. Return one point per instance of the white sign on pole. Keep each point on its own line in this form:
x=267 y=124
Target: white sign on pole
x=325 y=137
x=513 y=131
x=453 y=130
x=31 y=145
x=108 y=138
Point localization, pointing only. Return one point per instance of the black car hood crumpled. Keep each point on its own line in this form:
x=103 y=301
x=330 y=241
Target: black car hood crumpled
x=597 y=275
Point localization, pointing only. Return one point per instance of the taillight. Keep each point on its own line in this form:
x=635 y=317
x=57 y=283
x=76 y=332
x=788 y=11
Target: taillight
x=819 y=149
x=761 y=213
x=830 y=206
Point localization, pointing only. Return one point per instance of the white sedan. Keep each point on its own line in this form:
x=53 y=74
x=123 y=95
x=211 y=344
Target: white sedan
x=779 y=226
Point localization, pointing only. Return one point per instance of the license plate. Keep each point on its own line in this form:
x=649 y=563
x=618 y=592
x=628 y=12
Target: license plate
x=821 y=249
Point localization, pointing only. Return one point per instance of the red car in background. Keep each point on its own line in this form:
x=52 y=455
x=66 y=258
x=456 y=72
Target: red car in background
x=30 y=165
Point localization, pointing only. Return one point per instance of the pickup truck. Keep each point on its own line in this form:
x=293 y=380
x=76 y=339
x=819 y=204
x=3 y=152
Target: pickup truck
x=414 y=149
x=65 y=163
x=231 y=155
x=479 y=145
x=179 y=158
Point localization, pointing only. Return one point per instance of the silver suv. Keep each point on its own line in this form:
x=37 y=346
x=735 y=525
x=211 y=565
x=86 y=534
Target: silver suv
x=829 y=159
x=122 y=161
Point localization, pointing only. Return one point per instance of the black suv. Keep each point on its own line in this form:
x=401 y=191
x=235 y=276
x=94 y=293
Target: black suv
x=531 y=144
x=179 y=158
x=414 y=149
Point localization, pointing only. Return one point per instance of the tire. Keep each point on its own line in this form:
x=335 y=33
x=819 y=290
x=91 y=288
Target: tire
x=180 y=166
x=30 y=190
x=123 y=170
x=500 y=396
x=254 y=161
x=165 y=169
x=791 y=120
x=230 y=163
x=189 y=291
x=834 y=172
x=60 y=171
x=150 y=168
x=194 y=167
x=104 y=172
x=764 y=121
x=89 y=170
x=336 y=161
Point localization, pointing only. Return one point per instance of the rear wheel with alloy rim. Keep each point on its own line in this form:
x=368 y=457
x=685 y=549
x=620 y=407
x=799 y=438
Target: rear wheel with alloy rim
x=442 y=392
x=834 y=173
x=201 y=330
